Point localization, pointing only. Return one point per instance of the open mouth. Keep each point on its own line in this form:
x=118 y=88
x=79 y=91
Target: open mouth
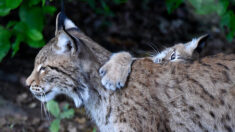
x=41 y=94
x=39 y=91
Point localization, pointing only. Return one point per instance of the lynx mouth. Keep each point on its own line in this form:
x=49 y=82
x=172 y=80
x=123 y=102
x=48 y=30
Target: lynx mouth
x=41 y=95
x=38 y=91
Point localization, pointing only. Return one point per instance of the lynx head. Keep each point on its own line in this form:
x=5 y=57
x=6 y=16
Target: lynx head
x=60 y=65
x=180 y=52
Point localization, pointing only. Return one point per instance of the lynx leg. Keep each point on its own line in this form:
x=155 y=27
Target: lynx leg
x=115 y=72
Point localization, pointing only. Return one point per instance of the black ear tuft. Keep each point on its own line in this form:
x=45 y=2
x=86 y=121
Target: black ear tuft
x=74 y=40
x=62 y=15
x=62 y=22
x=60 y=18
x=202 y=43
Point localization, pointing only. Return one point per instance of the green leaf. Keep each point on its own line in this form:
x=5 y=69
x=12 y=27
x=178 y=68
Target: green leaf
x=34 y=34
x=53 y=108
x=228 y=20
x=43 y=2
x=20 y=27
x=66 y=106
x=4 y=42
x=67 y=114
x=232 y=21
x=33 y=17
x=33 y=2
x=16 y=45
x=230 y=36
x=104 y=5
x=49 y=10
x=35 y=44
x=225 y=19
x=11 y=24
x=222 y=7
x=55 y=125
x=106 y=10
x=12 y=4
x=94 y=130
x=2 y=3
x=4 y=11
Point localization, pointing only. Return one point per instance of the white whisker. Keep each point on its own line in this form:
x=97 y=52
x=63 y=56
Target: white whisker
x=151 y=45
x=41 y=108
x=44 y=107
x=48 y=114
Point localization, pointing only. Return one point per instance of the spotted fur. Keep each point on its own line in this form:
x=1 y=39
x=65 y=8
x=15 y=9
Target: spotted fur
x=173 y=97
x=115 y=71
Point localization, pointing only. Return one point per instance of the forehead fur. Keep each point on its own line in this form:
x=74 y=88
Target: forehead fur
x=179 y=47
x=44 y=53
x=47 y=52
x=49 y=55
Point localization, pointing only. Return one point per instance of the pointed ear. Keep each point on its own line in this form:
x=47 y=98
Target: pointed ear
x=63 y=22
x=65 y=43
x=196 y=44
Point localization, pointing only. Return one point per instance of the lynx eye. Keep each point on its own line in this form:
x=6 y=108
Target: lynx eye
x=173 y=56
x=69 y=45
x=42 y=69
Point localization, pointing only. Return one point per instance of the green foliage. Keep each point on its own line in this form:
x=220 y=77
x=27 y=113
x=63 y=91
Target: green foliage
x=28 y=29
x=228 y=20
x=205 y=7
x=55 y=125
x=54 y=109
x=4 y=42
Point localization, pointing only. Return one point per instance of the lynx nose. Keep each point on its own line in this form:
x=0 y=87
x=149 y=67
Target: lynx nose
x=36 y=90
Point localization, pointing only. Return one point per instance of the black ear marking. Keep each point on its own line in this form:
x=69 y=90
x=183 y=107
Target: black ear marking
x=202 y=43
x=73 y=39
x=60 y=18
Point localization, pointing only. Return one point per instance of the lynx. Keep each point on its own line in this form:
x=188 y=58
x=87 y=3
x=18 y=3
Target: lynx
x=115 y=72
x=177 y=97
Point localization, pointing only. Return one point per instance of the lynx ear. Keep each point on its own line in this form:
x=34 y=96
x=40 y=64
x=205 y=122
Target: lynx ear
x=66 y=43
x=196 y=44
x=63 y=21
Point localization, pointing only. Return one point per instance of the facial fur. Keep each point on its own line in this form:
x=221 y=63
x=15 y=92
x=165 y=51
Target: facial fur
x=58 y=71
x=180 y=52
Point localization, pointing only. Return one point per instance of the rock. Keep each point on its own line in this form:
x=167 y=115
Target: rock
x=72 y=127
x=32 y=105
x=22 y=97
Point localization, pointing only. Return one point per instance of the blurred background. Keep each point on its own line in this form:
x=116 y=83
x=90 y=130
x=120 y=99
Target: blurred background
x=142 y=27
